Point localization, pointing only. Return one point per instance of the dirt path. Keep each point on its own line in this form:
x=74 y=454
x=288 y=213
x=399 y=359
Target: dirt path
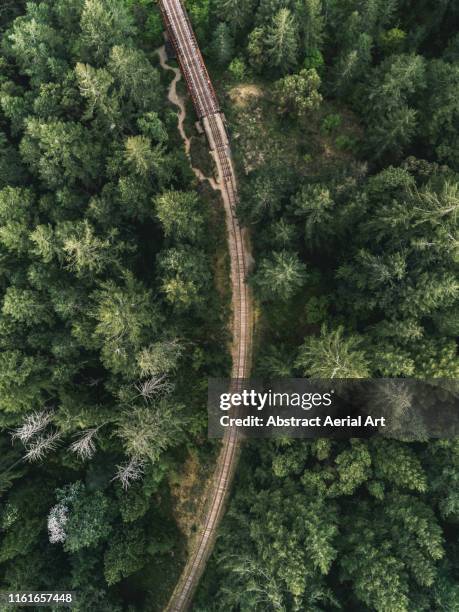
x=179 y=102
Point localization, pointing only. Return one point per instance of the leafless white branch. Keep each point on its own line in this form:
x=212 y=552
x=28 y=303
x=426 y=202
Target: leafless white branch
x=153 y=386
x=130 y=472
x=84 y=446
x=41 y=446
x=33 y=424
x=93 y=382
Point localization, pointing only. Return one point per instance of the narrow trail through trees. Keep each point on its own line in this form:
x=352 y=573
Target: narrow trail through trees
x=208 y=110
x=179 y=102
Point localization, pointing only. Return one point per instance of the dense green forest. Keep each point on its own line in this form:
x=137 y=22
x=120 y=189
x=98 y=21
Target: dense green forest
x=345 y=122
x=344 y=117
x=110 y=322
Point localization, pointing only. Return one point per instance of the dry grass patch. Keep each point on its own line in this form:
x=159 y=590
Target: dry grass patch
x=242 y=95
x=189 y=491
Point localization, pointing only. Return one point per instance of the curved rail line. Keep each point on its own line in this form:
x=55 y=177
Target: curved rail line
x=208 y=110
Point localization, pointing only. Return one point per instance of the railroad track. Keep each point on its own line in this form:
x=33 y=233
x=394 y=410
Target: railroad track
x=208 y=110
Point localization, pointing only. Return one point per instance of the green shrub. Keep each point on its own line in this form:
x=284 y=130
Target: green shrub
x=331 y=123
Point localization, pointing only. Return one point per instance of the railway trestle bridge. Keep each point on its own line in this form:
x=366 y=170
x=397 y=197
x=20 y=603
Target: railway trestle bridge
x=193 y=68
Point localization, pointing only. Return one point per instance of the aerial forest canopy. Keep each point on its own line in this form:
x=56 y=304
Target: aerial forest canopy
x=109 y=322
x=344 y=118
x=345 y=122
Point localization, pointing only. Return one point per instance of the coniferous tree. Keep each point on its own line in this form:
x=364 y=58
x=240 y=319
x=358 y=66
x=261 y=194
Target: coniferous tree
x=282 y=41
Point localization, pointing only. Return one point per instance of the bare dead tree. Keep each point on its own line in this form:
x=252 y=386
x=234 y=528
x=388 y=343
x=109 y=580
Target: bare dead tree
x=130 y=472
x=42 y=445
x=33 y=425
x=154 y=386
x=85 y=444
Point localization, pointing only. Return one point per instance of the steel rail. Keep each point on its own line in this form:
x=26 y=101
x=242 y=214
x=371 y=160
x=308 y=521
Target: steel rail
x=208 y=110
